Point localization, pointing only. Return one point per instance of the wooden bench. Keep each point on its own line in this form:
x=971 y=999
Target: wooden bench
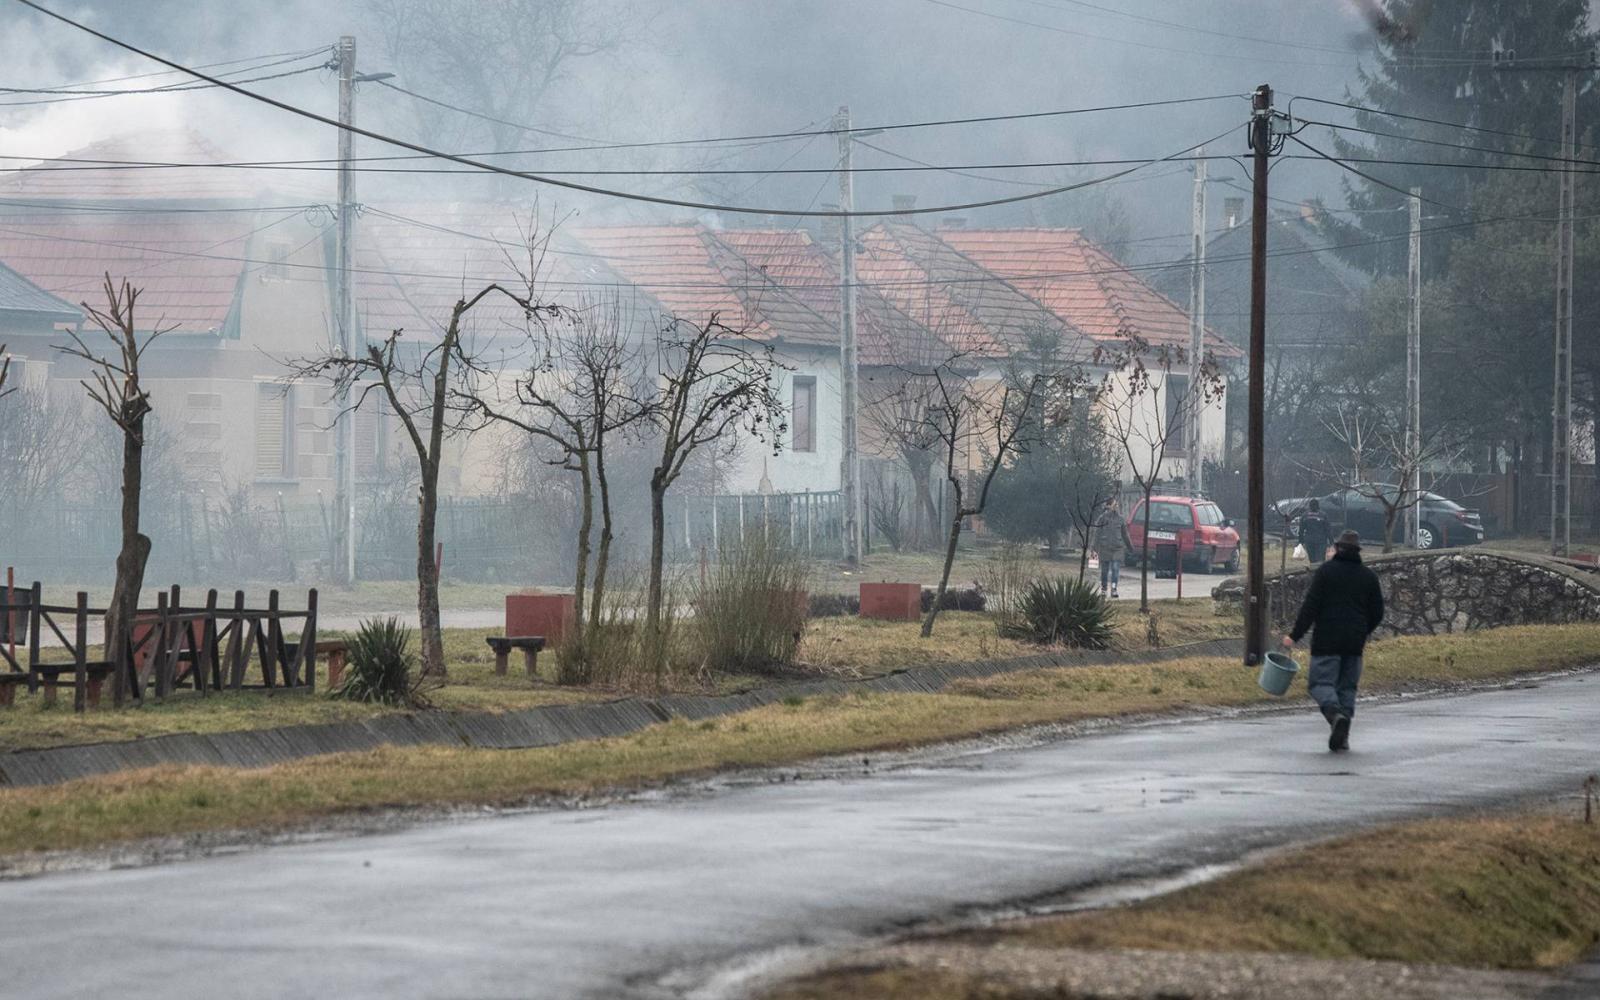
x=8 y=687
x=503 y=645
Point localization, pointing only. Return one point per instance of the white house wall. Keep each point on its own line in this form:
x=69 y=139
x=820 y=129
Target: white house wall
x=787 y=470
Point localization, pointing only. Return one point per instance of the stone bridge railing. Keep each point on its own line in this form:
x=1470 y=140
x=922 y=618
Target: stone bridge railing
x=1433 y=593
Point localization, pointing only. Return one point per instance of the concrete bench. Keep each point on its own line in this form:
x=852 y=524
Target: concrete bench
x=336 y=651
x=55 y=675
x=503 y=645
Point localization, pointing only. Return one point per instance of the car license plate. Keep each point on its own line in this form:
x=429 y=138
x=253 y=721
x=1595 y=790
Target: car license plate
x=1163 y=536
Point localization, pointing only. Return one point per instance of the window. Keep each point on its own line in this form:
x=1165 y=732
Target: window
x=1176 y=389
x=370 y=436
x=1164 y=514
x=277 y=266
x=274 y=431
x=1208 y=513
x=803 y=414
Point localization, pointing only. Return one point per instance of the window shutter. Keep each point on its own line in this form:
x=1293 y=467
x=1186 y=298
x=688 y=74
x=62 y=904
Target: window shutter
x=269 y=432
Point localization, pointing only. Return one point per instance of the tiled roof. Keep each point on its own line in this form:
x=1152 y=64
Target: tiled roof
x=19 y=295
x=1081 y=283
x=181 y=262
x=791 y=261
x=413 y=261
x=75 y=176
x=967 y=306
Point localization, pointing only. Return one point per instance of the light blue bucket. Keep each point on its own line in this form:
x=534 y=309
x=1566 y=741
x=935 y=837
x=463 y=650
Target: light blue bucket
x=1277 y=673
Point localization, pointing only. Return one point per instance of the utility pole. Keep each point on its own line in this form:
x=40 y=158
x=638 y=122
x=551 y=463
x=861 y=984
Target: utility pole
x=1197 y=321
x=1561 y=406
x=1261 y=142
x=1413 y=484
x=849 y=367
x=344 y=466
x=1561 y=451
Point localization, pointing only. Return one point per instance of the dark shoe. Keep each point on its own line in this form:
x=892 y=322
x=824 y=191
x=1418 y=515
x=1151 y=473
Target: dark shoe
x=1339 y=739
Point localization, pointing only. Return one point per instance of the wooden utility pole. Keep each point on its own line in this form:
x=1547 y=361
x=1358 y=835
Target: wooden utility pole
x=1197 y=322
x=1256 y=603
x=1561 y=451
x=1413 y=484
x=849 y=366
x=343 y=556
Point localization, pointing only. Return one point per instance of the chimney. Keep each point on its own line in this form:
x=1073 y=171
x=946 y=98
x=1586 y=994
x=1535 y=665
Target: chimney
x=1233 y=211
x=832 y=226
x=953 y=222
x=903 y=204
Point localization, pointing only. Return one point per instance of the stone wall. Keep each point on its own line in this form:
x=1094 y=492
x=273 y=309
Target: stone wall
x=1429 y=594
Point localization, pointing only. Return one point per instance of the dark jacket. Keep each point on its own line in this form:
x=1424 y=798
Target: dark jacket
x=1344 y=603
x=1316 y=534
x=1111 y=535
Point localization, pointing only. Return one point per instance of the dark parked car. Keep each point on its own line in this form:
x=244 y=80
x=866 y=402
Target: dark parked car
x=1443 y=523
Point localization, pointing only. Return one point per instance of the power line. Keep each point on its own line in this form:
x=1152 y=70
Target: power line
x=1424 y=120
x=289 y=56
x=1448 y=164
x=990 y=276
x=1448 y=145
x=801 y=134
x=1368 y=177
x=330 y=165
x=573 y=185
x=90 y=95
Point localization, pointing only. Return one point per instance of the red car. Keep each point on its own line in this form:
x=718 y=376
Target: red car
x=1193 y=529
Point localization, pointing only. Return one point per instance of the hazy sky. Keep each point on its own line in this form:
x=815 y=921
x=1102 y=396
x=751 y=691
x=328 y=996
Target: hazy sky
x=717 y=67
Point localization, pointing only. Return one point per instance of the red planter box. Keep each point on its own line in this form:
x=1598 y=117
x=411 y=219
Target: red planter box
x=891 y=602
x=549 y=615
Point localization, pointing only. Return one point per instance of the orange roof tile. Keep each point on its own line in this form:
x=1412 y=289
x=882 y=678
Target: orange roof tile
x=1080 y=283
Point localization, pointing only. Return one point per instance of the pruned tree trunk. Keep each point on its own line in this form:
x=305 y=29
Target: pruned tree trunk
x=603 y=556
x=585 y=533
x=652 y=612
x=1144 y=558
x=428 y=576
x=949 y=561
x=133 y=555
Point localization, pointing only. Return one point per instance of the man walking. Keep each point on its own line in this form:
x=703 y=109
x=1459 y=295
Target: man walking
x=1343 y=605
x=1315 y=533
x=1111 y=544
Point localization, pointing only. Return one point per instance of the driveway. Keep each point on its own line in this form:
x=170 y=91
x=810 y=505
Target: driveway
x=648 y=899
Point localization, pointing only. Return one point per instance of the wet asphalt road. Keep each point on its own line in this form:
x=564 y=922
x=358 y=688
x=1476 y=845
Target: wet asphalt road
x=605 y=902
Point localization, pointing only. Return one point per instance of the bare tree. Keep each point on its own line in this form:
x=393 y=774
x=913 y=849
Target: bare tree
x=1088 y=480
x=1374 y=438
x=5 y=372
x=1144 y=410
x=506 y=58
x=118 y=391
x=971 y=419
x=42 y=447
x=895 y=407
x=712 y=381
x=423 y=389
x=582 y=389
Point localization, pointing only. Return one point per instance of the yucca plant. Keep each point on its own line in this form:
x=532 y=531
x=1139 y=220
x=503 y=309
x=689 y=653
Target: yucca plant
x=379 y=663
x=1065 y=611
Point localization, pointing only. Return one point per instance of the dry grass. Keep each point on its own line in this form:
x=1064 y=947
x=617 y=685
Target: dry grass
x=171 y=799
x=1516 y=892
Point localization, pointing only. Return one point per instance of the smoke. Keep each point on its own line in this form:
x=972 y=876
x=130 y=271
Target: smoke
x=695 y=68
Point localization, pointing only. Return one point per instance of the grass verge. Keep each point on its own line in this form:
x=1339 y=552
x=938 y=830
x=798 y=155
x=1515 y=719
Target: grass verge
x=167 y=800
x=846 y=646
x=1505 y=892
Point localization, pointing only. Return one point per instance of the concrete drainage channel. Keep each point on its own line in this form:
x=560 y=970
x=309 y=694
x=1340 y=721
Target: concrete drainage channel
x=747 y=974
x=537 y=727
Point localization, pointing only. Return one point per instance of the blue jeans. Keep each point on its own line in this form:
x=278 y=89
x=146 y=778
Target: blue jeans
x=1332 y=684
x=1110 y=569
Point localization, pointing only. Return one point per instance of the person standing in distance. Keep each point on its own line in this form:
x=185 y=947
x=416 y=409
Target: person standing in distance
x=1111 y=544
x=1343 y=605
x=1315 y=533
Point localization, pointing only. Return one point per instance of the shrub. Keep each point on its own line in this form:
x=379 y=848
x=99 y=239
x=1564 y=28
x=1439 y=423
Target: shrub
x=1005 y=577
x=379 y=665
x=750 y=611
x=955 y=599
x=1063 y=610
x=834 y=605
